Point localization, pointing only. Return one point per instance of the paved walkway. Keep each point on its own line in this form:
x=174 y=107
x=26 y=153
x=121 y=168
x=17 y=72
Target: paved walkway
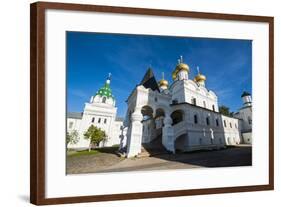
x=105 y=162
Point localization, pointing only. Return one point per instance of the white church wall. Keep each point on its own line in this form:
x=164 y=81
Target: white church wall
x=201 y=95
x=82 y=143
x=247 y=137
x=73 y=124
x=163 y=101
x=200 y=135
x=112 y=128
x=177 y=92
x=246 y=115
x=116 y=132
x=231 y=130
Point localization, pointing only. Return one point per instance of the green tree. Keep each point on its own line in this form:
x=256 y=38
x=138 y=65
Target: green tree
x=72 y=137
x=224 y=110
x=95 y=135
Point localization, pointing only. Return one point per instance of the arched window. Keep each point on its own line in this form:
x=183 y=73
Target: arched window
x=99 y=120
x=193 y=101
x=213 y=107
x=177 y=116
x=195 y=119
x=104 y=121
x=230 y=125
x=249 y=120
x=204 y=103
x=103 y=99
x=224 y=123
x=217 y=122
x=175 y=101
x=93 y=120
x=70 y=125
x=207 y=121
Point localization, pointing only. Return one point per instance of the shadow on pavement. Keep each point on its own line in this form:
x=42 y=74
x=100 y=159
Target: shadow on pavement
x=229 y=157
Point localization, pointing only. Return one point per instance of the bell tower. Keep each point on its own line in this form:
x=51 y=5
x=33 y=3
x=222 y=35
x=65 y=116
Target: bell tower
x=246 y=98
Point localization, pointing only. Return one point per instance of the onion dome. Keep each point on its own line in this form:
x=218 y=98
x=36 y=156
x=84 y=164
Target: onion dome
x=245 y=93
x=105 y=91
x=200 y=77
x=163 y=82
x=181 y=66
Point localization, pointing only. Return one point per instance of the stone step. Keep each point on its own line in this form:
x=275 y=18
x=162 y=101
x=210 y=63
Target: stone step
x=144 y=154
x=147 y=152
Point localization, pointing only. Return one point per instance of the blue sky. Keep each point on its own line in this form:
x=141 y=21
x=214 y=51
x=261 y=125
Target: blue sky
x=226 y=63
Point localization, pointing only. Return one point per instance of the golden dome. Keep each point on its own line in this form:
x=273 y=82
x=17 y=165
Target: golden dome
x=180 y=66
x=200 y=77
x=163 y=83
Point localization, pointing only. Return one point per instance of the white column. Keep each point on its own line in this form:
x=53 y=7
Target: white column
x=135 y=134
x=123 y=138
x=168 y=135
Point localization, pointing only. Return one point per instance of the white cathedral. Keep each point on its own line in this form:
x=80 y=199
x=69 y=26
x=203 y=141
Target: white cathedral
x=183 y=116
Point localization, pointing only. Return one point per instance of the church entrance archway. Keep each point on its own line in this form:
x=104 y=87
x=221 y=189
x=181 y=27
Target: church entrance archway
x=181 y=142
x=147 y=112
x=159 y=113
x=159 y=118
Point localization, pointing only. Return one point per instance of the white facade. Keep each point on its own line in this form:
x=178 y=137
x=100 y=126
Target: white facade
x=100 y=112
x=245 y=115
x=182 y=117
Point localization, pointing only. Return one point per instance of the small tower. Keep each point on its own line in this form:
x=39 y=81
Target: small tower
x=104 y=94
x=200 y=79
x=246 y=98
x=163 y=84
x=181 y=71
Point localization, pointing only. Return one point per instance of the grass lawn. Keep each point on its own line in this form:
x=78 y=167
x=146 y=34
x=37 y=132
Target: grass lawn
x=93 y=151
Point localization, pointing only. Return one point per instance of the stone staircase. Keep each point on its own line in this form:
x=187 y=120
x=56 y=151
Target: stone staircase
x=152 y=148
